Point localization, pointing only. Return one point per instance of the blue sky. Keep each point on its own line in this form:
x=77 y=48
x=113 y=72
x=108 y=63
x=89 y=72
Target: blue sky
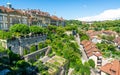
x=68 y=9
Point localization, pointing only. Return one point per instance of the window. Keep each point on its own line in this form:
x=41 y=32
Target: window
x=10 y=20
x=1 y=18
x=5 y=18
x=1 y=25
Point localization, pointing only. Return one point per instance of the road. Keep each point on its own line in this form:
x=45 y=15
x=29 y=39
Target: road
x=84 y=56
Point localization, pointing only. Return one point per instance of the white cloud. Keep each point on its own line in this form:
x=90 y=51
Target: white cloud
x=111 y=14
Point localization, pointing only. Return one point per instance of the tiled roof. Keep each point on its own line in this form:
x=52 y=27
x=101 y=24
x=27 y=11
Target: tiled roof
x=53 y=17
x=90 y=48
x=112 y=68
x=5 y=9
x=11 y=10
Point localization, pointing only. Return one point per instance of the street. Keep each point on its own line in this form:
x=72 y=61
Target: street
x=84 y=57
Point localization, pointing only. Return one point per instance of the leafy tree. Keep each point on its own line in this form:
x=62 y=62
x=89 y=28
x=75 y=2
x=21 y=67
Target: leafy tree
x=84 y=37
x=25 y=52
x=20 y=28
x=86 y=68
x=40 y=45
x=13 y=57
x=52 y=28
x=36 y=29
x=5 y=35
x=60 y=30
x=91 y=63
x=32 y=48
x=22 y=64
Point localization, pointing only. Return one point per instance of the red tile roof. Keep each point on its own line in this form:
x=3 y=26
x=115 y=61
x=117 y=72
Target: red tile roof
x=90 y=48
x=112 y=68
x=11 y=10
x=56 y=18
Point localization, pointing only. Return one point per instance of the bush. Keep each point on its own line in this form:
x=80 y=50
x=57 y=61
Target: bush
x=91 y=63
x=20 y=28
x=36 y=29
x=32 y=48
x=22 y=64
x=5 y=35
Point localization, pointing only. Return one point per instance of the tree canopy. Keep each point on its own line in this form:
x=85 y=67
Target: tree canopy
x=20 y=28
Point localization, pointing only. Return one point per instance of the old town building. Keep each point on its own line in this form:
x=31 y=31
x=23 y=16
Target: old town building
x=10 y=16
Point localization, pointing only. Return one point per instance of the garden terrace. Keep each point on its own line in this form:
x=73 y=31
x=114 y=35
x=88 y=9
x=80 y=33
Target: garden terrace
x=56 y=64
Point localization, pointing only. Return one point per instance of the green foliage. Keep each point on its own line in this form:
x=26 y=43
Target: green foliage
x=25 y=52
x=73 y=22
x=91 y=63
x=109 y=38
x=82 y=69
x=84 y=37
x=36 y=29
x=22 y=64
x=48 y=41
x=52 y=28
x=20 y=28
x=13 y=57
x=108 y=50
x=42 y=45
x=32 y=48
x=60 y=30
x=41 y=67
x=5 y=35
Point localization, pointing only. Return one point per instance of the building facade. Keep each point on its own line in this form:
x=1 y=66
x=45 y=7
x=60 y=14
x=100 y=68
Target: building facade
x=10 y=16
x=92 y=52
x=57 y=21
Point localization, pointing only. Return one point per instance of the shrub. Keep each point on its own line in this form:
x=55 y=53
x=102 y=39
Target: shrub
x=91 y=63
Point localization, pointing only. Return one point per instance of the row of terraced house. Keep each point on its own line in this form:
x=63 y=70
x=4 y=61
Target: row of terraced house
x=10 y=16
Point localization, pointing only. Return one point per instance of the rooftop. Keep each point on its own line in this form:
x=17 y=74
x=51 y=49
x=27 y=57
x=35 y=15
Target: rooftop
x=90 y=48
x=112 y=68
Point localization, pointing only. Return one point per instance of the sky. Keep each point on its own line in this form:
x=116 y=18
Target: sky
x=84 y=10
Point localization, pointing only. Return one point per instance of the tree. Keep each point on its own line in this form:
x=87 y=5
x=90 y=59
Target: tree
x=20 y=28
x=84 y=37
x=13 y=57
x=60 y=30
x=5 y=35
x=36 y=29
x=86 y=68
x=40 y=45
x=91 y=63
x=22 y=64
x=32 y=48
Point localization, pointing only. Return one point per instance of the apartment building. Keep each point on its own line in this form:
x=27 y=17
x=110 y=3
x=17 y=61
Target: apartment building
x=10 y=16
x=38 y=17
x=92 y=52
x=57 y=21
